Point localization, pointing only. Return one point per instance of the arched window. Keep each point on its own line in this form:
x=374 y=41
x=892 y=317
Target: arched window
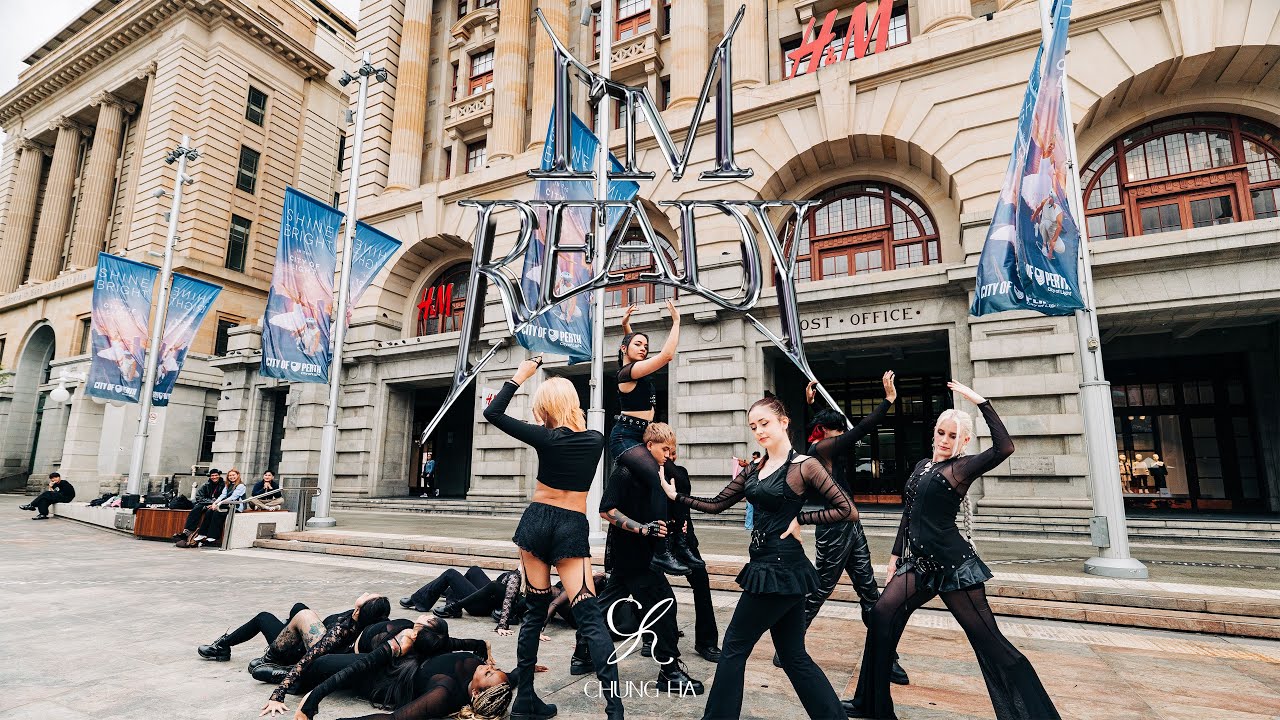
x=440 y=304
x=1183 y=172
x=865 y=228
x=631 y=290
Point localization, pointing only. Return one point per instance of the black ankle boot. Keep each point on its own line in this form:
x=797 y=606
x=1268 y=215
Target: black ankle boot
x=269 y=673
x=674 y=678
x=527 y=705
x=268 y=657
x=448 y=610
x=685 y=553
x=217 y=650
x=897 y=675
x=592 y=628
x=664 y=562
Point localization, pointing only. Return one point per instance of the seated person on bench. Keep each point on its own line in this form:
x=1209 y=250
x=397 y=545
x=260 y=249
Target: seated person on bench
x=266 y=485
x=215 y=518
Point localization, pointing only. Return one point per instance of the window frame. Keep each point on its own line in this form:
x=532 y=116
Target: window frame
x=482 y=145
x=477 y=84
x=457 y=302
x=242 y=172
x=221 y=332
x=232 y=227
x=1182 y=188
x=84 y=343
x=250 y=108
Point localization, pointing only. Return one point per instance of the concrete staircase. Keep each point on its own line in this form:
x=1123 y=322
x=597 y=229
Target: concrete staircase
x=1252 y=534
x=1236 y=615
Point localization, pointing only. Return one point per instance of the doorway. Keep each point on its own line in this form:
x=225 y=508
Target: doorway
x=450 y=445
x=851 y=372
x=20 y=434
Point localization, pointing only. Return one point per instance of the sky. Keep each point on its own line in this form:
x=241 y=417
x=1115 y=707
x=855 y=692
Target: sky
x=29 y=24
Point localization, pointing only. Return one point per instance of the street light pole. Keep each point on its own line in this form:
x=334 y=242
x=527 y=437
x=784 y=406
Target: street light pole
x=1108 y=525
x=595 y=415
x=179 y=155
x=329 y=438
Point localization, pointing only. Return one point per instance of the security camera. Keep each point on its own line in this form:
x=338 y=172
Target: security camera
x=158 y=193
x=587 y=12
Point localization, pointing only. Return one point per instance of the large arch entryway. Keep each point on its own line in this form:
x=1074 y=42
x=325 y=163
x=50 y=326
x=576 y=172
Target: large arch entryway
x=26 y=406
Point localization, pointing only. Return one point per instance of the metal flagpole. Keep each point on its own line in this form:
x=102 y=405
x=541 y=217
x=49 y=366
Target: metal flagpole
x=1108 y=526
x=179 y=155
x=329 y=439
x=595 y=416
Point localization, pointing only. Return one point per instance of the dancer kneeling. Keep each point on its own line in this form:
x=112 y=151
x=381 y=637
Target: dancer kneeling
x=779 y=575
x=628 y=550
x=931 y=558
x=554 y=531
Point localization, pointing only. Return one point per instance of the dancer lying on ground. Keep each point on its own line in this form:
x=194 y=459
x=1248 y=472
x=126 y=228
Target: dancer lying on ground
x=286 y=640
x=775 y=581
x=931 y=558
x=638 y=399
x=553 y=531
x=340 y=637
x=500 y=598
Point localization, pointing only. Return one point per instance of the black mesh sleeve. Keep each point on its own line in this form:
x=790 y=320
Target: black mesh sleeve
x=368 y=664
x=811 y=476
x=831 y=448
x=333 y=640
x=728 y=497
x=624 y=373
x=962 y=471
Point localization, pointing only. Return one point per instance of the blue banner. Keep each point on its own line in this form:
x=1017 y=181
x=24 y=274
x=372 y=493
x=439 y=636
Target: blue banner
x=566 y=329
x=189 y=300
x=121 y=313
x=296 y=324
x=1030 y=258
x=370 y=250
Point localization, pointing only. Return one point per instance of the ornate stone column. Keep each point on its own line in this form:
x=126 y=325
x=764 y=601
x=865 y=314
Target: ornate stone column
x=940 y=14
x=511 y=79
x=22 y=212
x=544 y=68
x=87 y=236
x=689 y=52
x=57 y=201
x=409 y=121
x=751 y=45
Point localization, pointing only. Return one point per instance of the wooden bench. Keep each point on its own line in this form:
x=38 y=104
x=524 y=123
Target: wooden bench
x=158 y=523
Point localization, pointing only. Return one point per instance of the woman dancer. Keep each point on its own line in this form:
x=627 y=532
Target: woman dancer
x=775 y=582
x=637 y=399
x=930 y=558
x=554 y=530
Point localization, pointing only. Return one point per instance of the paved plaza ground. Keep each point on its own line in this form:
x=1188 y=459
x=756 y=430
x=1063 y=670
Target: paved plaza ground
x=99 y=625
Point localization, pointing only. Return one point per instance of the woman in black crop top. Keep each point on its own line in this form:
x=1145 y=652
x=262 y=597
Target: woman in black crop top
x=931 y=558
x=553 y=530
x=637 y=399
x=779 y=575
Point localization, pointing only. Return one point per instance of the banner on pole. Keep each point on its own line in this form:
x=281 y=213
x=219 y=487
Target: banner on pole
x=296 y=324
x=189 y=301
x=1031 y=255
x=566 y=330
x=118 y=327
x=371 y=249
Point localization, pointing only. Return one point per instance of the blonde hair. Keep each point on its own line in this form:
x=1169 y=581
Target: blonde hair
x=556 y=404
x=488 y=704
x=964 y=428
x=659 y=432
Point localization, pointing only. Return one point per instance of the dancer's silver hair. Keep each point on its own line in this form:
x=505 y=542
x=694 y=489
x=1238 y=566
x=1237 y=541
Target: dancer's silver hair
x=964 y=428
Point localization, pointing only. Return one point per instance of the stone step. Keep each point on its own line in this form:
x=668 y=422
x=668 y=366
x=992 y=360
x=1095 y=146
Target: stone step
x=1225 y=614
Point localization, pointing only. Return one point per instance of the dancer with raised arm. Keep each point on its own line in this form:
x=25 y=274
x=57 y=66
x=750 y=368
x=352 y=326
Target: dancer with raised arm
x=553 y=531
x=774 y=583
x=931 y=558
x=842 y=547
x=638 y=399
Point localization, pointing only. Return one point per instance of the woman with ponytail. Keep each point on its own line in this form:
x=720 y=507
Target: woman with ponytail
x=774 y=583
x=637 y=400
x=931 y=558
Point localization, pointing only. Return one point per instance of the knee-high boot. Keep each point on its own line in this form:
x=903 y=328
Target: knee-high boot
x=527 y=705
x=591 y=627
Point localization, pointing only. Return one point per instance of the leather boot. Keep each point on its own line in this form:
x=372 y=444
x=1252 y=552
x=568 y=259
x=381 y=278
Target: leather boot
x=674 y=678
x=217 y=650
x=267 y=657
x=664 y=562
x=527 y=705
x=592 y=628
x=897 y=675
x=685 y=553
x=269 y=673
x=448 y=610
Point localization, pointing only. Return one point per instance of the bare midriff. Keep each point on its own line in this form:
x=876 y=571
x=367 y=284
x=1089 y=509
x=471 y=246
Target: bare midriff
x=567 y=499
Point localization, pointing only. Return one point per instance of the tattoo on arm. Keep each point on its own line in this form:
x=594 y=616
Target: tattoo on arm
x=619 y=520
x=314 y=633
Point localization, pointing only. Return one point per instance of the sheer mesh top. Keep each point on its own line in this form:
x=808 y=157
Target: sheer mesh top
x=933 y=495
x=567 y=459
x=779 y=496
x=440 y=685
x=833 y=451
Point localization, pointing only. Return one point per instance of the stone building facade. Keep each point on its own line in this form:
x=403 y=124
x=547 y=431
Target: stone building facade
x=253 y=82
x=1176 y=105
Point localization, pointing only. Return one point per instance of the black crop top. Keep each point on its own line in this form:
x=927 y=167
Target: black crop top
x=567 y=459
x=642 y=398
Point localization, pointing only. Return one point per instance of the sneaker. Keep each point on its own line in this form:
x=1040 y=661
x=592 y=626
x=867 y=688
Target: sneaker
x=425 y=495
x=28 y=506
x=40 y=517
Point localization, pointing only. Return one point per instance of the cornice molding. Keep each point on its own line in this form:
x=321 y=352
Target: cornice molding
x=131 y=23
